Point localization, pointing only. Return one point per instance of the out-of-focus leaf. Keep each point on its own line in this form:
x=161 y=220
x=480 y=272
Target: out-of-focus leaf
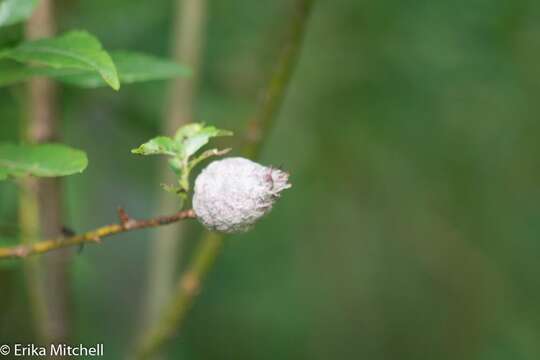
x=12 y=72
x=73 y=50
x=159 y=145
x=45 y=160
x=14 y=11
x=131 y=67
x=195 y=136
x=3 y=174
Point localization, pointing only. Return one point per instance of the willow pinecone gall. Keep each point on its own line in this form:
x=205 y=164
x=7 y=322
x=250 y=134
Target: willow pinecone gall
x=232 y=194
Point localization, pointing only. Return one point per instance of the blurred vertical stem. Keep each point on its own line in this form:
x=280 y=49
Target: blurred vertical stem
x=29 y=224
x=41 y=204
x=187 y=37
x=273 y=94
x=258 y=129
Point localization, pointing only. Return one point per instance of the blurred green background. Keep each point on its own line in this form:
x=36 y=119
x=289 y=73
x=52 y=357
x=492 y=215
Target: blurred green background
x=412 y=228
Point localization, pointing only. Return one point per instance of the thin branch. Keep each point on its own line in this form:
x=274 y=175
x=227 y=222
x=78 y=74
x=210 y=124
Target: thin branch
x=209 y=248
x=189 y=22
x=260 y=125
x=186 y=291
x=94 y=236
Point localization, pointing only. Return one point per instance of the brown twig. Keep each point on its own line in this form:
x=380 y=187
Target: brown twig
x=93 y=236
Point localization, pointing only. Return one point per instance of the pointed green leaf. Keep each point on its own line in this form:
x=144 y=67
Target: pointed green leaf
x=159 y=145
x=131 y=67
x=45 y=160
x=75 y=50
x=187 y=131
x=14 y=11
x=187 y=141
x=195 y=136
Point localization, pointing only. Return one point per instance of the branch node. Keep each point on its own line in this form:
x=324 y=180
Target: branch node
x=126 y=222
x=21 y=251
x=123 y=216
x=68 y=238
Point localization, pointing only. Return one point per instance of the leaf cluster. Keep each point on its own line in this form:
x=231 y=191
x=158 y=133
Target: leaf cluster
x=182 y=148
x=75 y=58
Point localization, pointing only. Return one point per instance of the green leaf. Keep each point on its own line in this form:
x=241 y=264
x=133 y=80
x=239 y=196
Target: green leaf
x=14 y=11
x=45 y=160
x=3 y=174
x=159 y=145
x=75 y=50
x=187 y=141
x=131 y=67
x=176 y=165
x=195 y=136
x=12 y=72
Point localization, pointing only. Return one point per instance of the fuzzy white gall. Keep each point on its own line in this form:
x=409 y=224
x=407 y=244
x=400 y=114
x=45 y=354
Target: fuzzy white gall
x=234 y=193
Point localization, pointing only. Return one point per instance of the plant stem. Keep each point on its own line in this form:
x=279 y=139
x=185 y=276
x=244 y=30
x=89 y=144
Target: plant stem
x=205 y=255
x=93 y=236
x=186 y=291
x=29 y=223
x=52 y=282
x=273 y=94
x=187 y=35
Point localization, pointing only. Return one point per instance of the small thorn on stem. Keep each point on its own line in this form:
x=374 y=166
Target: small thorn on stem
x=21 y=251
x=124 y=218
